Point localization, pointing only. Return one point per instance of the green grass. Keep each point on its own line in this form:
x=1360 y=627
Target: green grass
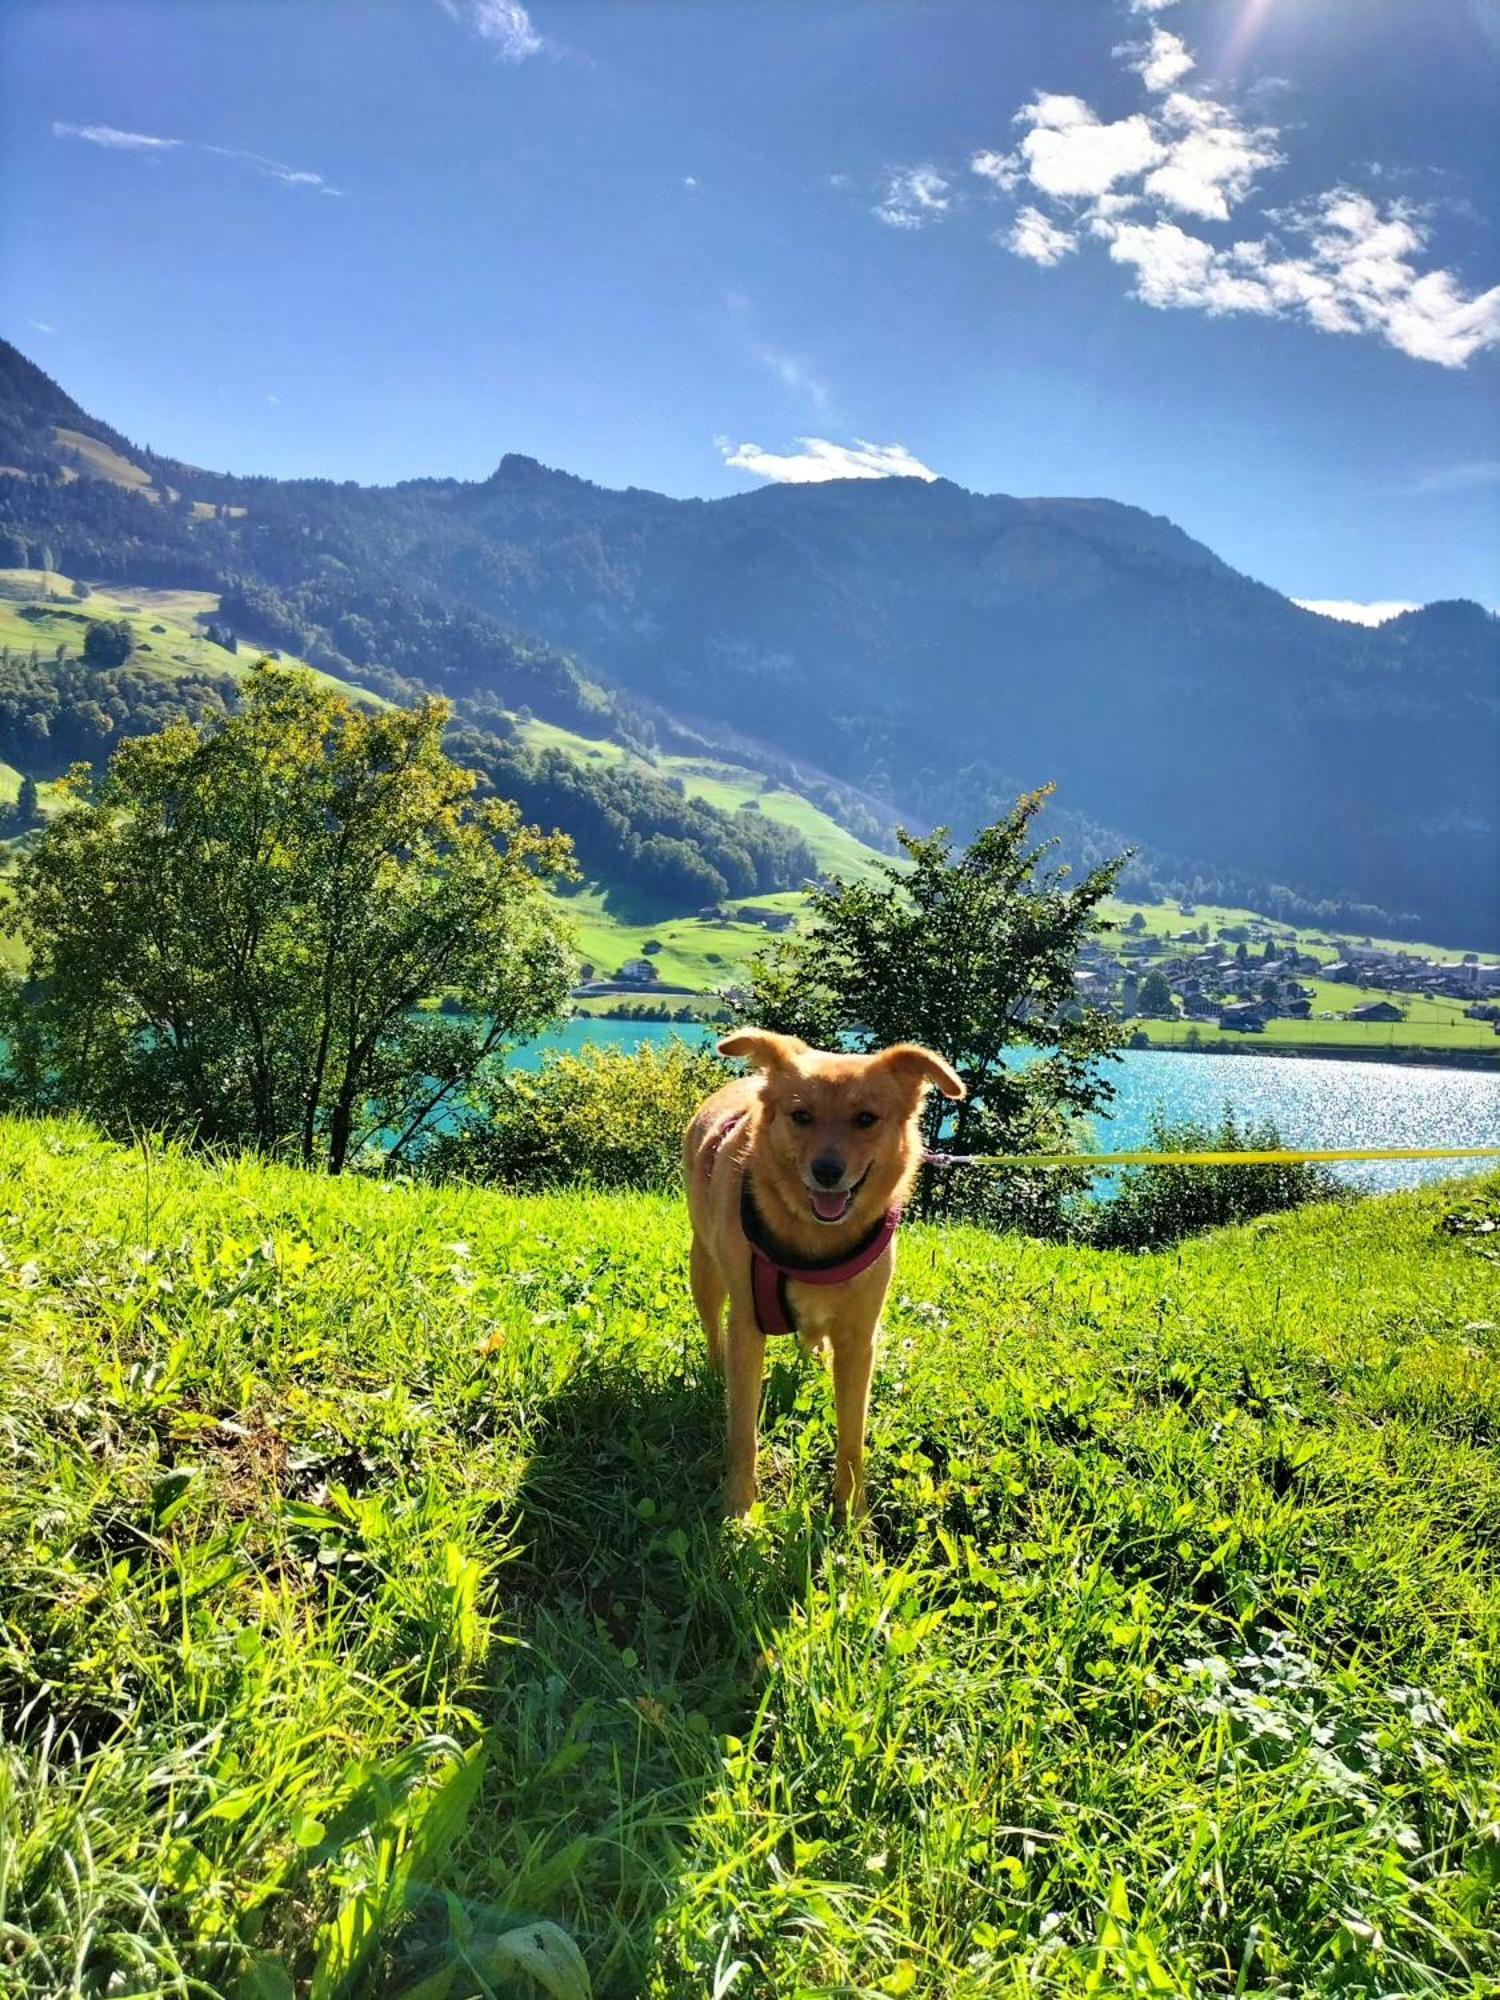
x=1311 y=1036
x=728 y=786
x=1166 y=1663
x=102 y=461
x=1437 y=1024
x=1164 y=920
x=178 y=648
x=697 y=953
x=702 y=954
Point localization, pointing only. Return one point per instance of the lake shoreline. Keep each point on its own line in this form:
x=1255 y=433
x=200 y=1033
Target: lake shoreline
x=1482 y=1060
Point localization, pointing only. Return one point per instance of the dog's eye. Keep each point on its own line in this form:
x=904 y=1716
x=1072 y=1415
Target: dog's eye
x=865 y=1119
x=802 y=1116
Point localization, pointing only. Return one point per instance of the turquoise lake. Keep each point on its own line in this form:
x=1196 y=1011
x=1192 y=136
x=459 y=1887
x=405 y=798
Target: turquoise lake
x=1313 y=1102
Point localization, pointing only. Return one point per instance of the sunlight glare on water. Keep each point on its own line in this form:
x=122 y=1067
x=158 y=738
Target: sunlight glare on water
x=1311 y=1101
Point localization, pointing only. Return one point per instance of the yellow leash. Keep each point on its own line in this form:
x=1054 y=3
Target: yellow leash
x=1276 y=1159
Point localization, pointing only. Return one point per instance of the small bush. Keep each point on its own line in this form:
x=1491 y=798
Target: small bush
x=602 y=1117
x=1155 y=1206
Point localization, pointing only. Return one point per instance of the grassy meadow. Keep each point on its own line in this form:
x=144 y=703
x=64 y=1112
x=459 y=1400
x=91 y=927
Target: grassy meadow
x=363 y=1596
x=728 y=786
x=1430 y=1025
x=165 y=624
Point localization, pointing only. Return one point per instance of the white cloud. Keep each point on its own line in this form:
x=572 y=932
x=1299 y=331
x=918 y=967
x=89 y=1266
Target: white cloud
x=1033 y=236
x=1162 y=61
x=276 y=170
x=1340 y=263
x=1352 y=612
x=1212 y=159
x=690 y=182
x=792 y=371
x=504 y=24
x=1175 y=269
x=820 y=460
x=1150 y=6
x=1004 y=169
x=273 y=399
x=114 y=140
x=43 y=326
x=1068 y=153
x=112 y=137
x=914 y=196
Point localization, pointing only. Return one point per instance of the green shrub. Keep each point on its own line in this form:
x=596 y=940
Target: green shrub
x=602 y=1117
x=1160 y=1205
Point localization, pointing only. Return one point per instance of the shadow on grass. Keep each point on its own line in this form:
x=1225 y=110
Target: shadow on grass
x=629 y=903
x=637 y=1620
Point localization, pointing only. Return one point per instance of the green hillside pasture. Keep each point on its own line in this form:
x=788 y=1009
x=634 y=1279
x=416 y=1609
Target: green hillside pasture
x=1436 y=1024
x=102 y=461
x=179 y=648
x=1163 y=1665
x=728 y=786
x=1164 y=920
x=696 y=953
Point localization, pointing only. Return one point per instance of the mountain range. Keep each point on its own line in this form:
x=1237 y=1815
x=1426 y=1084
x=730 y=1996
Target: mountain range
x=925 y=651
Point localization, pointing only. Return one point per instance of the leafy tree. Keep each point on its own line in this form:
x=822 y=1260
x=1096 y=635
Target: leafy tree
x=230 y=931
x=26 y=812
x=1155 y=995
x=606 y=1117
x=109 y=642
x=971 y=953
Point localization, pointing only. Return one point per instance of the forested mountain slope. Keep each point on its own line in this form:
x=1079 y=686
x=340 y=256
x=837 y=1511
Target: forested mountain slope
x=932 y=649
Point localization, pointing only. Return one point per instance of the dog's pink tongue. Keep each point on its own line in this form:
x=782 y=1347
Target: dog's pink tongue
x=829 y=1207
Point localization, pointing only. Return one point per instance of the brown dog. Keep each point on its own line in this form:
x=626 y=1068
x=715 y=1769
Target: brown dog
x=795 y=1179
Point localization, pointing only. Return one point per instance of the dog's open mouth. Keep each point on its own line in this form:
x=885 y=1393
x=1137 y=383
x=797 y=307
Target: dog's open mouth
x=833 y=1204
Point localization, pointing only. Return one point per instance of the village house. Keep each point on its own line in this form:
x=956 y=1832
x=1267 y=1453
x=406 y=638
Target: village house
x=1244 y=1018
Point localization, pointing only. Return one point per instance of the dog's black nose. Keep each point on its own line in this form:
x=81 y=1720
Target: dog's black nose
x=827 y=1169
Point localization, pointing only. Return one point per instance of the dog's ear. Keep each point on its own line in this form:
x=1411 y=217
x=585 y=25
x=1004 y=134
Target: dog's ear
x=762 y=1049
x=911 y=1060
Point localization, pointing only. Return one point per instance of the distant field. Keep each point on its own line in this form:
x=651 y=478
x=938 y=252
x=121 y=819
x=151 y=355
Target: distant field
x=103 y=462
x=1312 y=1035
x=177 y=648
x=1164 y=920
x=695 y=953
x=728 y=786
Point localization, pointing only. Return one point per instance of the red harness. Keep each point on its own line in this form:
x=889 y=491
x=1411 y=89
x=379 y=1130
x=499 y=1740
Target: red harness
x=770 y=1266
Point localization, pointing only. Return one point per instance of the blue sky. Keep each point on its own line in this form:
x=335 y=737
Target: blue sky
x=1234 y=261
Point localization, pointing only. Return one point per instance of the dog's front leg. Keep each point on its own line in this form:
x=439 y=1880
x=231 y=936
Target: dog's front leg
x=853 y=1365
x=745 y=1358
